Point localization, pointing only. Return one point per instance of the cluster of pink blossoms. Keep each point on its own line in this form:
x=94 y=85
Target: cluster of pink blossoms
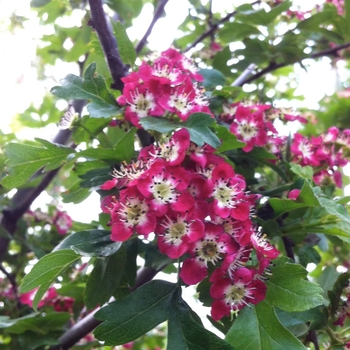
x=196 y=205
x=50 y=298
x=165 y=86
x=327 y=152
x=253 y=124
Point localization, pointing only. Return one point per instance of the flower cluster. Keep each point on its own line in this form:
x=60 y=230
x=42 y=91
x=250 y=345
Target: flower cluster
x=197 y=205
x=50 y=298
x=168 y=85
x=59 y=219
x=253 y=124
x=327 y=153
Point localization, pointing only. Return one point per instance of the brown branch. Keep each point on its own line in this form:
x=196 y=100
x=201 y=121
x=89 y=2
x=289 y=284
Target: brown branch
x=213 y=28
x=108 y=42
x=157 y=14
x=273 y=66
x=89 y=323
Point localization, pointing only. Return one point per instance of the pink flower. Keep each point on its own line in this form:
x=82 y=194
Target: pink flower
x=263 y=247
x=236 y=293
x=63 y=222
x=293 y=194
x=210 y=249
x=175 y=235
x=131 y=214
x=108 y=185
x=27 y=298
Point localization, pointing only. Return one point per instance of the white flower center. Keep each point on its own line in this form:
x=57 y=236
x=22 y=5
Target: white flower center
x=141 y=103
x=134 y=212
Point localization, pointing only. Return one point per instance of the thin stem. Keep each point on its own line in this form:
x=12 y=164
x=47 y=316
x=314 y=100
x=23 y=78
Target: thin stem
x=87 y=324
x=157 y=14
x=273 y=66
x=288 y=246
x=11 y=279
x=108 y=42
x=213 y=28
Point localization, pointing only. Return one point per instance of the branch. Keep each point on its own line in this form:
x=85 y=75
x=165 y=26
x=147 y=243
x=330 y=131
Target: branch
x=108 y=42
x=157 y=14
x=244 y=75
x=89 y=323
x=23 y=198
x=273 y=66
x=213 y=28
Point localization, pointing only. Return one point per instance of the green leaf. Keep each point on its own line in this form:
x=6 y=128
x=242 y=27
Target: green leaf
x=40 y=323
x=305 y=172
x=305 y=199
x=24 y=160
x=228 y=140
x=125 y=147
x=212 y=78
x=138 y=313
x=318 y=316
x=289 y=290
x=258 y=328
x=186 y=333
x=92 y=243
x=261 y=16
x=126 y=48
x=45 y=272
x=197 y=124
x=338 y=288
x=236 y=31
x=93 y=88
x=158 y=124
x=331 y=206
x=104 y=279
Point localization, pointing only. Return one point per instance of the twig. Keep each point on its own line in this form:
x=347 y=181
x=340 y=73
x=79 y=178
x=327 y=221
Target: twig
x=108 y=42
x=11 y=279
x=244 y=75
x=213 y=28
x=273 y=66
x=157 y=14
x=288 y=245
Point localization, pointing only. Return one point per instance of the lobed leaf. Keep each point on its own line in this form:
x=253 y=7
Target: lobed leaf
x=91 y=243
x=45 y=272
x=197 y=124
x=24 y=160
x=138 y=313
x=104 y=279
x=125 y=47
x=258 y=328
x=92 y=88
x=186 y=332
x=289 y=290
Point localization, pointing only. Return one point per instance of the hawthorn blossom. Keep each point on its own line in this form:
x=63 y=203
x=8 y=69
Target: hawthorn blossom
x=263 y=247
x=209 y=249
x=176 y=234
x=235 y=294
x=63 y=222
